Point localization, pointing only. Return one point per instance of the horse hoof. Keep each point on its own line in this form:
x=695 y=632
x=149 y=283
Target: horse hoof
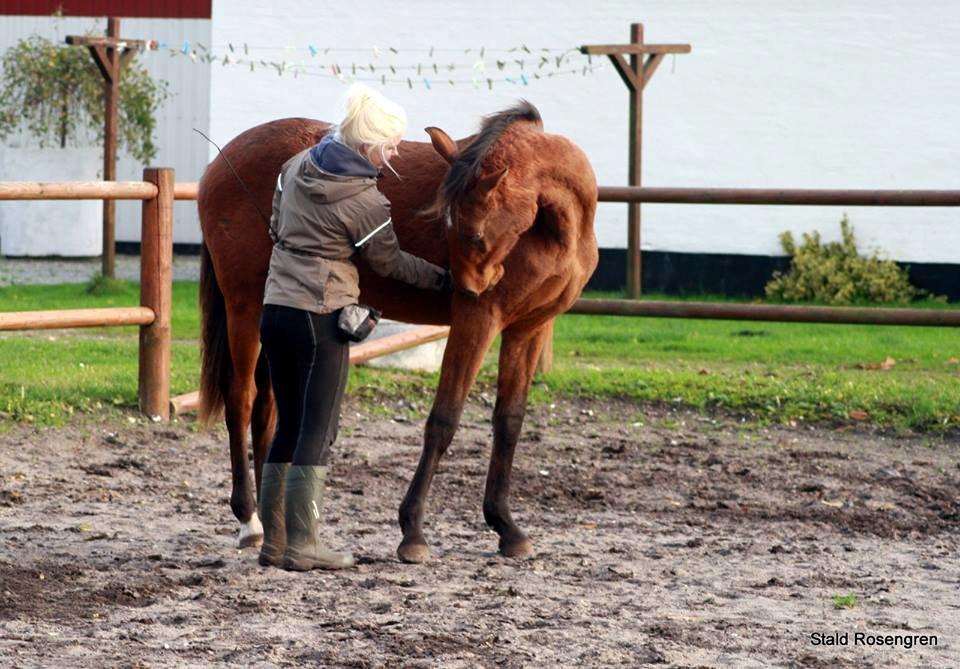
x=251 y=532
x=518 y=548
x=413 y=553
x=250 y=541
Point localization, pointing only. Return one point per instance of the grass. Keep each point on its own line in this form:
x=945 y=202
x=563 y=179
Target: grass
x=103 y=292
x=787 y=372
x=844 y=601
x=105 y=286
x=47 y=376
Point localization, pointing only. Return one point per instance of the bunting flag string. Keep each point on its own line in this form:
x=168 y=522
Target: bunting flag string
x=521 y=67
x=522 y=48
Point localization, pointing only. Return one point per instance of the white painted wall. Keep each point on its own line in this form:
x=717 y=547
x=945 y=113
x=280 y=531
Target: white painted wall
x=179 y=146
x=49 y=227
x=777 y=93
x=832 y=94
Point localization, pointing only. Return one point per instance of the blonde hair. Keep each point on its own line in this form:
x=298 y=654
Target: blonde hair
x=371 y=119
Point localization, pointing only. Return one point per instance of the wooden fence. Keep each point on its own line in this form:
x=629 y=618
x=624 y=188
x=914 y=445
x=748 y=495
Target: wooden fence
x=158 y=191
x=767 y=312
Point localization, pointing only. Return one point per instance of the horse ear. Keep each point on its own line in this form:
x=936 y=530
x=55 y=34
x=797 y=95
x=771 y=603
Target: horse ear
x=491 y=181
x=443 y=145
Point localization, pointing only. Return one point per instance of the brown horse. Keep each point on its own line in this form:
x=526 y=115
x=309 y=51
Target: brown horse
x=509 y=211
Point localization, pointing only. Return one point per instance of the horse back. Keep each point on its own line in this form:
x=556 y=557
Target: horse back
x=235 y=199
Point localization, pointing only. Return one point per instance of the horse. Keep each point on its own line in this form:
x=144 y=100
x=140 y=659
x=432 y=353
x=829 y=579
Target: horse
x=508 y=210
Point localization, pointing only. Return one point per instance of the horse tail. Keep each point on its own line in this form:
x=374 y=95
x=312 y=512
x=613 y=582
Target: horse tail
x=214 y=346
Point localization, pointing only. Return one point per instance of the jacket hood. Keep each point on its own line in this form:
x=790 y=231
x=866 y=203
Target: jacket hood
x=335 y=157
x=332 y=171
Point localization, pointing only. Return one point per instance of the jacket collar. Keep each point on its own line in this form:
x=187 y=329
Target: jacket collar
x=333 y=156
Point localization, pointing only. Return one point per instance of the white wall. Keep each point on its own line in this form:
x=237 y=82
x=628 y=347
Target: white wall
x=777 y=93
x=179 y=147
x=845 y=94
x=50 y=227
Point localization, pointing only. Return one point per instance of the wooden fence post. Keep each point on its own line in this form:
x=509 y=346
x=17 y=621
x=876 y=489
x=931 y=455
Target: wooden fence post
x=636 y=74
x=156 y=293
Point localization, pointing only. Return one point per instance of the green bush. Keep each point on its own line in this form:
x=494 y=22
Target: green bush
x=834 y=273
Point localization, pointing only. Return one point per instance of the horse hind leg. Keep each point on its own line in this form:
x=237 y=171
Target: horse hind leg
x=461 y=362
x=264 y=418
x=519 y=352
x=239 y=399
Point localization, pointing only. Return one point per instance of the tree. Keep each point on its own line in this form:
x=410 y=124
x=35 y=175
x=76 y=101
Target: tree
x=55 y=94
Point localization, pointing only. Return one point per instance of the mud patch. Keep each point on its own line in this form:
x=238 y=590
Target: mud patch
x=685 y=541
x=58 y=592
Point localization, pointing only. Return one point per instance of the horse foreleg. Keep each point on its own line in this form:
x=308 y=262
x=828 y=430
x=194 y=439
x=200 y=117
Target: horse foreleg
x=519 y=352
x=466 y=346
x=264 y=418
x=244 y=338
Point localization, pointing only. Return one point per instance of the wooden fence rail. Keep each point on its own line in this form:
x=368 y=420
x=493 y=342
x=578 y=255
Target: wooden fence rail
x=359 y=353
x=783 y=313
x=782 y=196
x=75 y=318
x=767 y=312
x=77 y=190
x=754 y=312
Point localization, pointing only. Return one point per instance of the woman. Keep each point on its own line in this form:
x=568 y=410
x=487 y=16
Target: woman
x=326 y=208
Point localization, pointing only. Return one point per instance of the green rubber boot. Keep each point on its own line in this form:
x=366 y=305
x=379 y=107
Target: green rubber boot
x=304 y=500
x=273 y=481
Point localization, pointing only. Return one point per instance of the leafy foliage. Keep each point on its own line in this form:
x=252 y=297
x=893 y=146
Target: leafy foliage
x=834 y=273
x=55 y=93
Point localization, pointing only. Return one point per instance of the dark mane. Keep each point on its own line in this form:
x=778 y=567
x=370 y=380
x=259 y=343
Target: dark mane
x=465 y=171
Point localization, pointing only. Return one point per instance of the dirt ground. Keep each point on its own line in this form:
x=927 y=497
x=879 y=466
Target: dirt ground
x=663 y=538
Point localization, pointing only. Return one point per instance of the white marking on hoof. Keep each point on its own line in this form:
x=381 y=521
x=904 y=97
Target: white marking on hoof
x=251 y=532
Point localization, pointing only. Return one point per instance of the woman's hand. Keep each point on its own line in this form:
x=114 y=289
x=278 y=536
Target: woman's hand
x=446 y=284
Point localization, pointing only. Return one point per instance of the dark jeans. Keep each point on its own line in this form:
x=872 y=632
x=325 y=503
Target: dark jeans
x=308 y=371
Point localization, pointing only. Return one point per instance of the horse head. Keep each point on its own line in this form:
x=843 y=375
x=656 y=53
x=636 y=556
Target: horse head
x=486 y=196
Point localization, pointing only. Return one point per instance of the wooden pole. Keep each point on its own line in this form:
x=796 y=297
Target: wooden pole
x=186 y=190
x=783 y=313
x=75 y=318
x=634 y=263
x=110 y=54
x=111 y=89
x=77 y=190
x=401 y=341
x=636 y=74
x=156 y=293
x=857 y=197
x=359 y=353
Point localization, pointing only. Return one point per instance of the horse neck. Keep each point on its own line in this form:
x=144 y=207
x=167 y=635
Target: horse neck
x=566 y=185
x=422 y=171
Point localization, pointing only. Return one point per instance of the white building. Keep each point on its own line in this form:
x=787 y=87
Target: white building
x=821 y=94
x=73 y=228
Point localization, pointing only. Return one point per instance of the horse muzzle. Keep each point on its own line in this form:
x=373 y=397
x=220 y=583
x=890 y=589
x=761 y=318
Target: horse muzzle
x=475 y=285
